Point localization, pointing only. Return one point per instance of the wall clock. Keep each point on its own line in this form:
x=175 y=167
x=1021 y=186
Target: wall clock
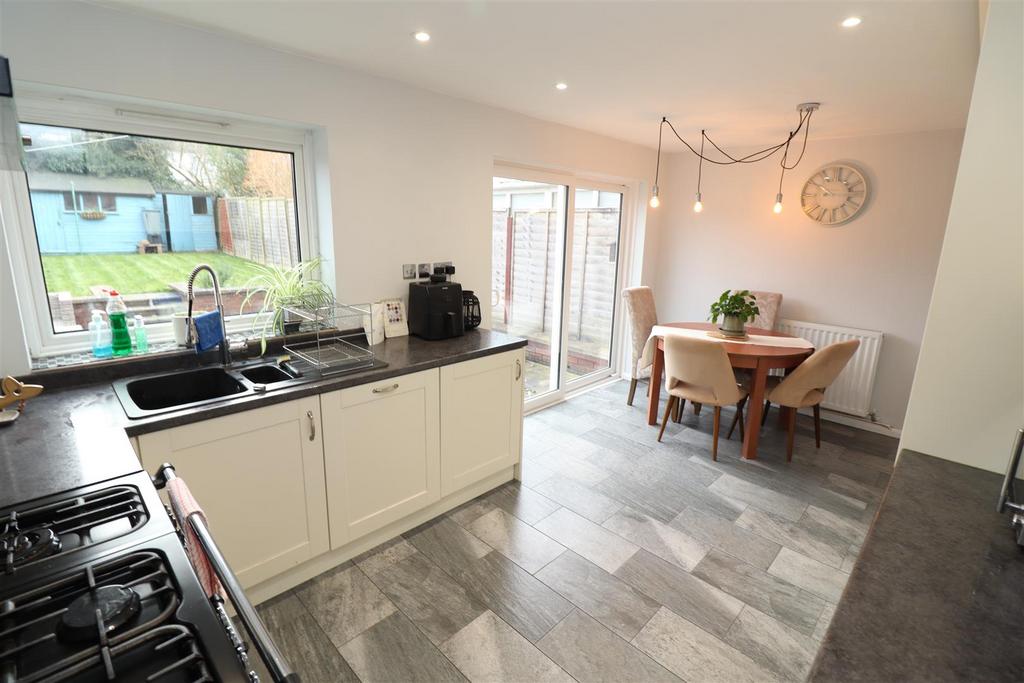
x=834 y=194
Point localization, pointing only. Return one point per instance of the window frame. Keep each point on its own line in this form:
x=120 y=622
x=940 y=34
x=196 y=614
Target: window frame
x=206 y=208
x=59 y=107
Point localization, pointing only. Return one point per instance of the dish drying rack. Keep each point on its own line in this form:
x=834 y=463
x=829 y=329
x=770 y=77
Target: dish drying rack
x=340 y=343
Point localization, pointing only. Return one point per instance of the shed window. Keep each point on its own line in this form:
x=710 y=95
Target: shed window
x=199 y=206
x=90 y=201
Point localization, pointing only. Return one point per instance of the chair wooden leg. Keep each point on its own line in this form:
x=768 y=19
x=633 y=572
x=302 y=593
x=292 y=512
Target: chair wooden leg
x=737 y=419
x=668 y=411
x=790 y=430
x=677 y=412
x=649 y=389
x=632 y=391
x=696 y=408
x=817 y=426
x=714 y=435
x=764 y=413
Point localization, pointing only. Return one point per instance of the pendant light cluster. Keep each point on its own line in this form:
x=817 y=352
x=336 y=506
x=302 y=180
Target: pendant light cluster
x=806 y=110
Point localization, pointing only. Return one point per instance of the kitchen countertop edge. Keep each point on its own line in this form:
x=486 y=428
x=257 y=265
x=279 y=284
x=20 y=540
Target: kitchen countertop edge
x=935 y=594
x=77 y=436
x=393 y=369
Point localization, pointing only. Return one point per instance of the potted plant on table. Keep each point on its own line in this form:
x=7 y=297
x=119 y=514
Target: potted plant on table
x=736 y=308
x=283 y=287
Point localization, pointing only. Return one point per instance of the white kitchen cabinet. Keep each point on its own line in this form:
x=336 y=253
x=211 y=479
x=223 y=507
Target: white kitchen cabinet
x=381 y=453
x=259 y=477
x=481 y=418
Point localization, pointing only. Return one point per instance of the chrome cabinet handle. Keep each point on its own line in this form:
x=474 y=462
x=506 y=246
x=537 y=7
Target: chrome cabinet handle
x=312 y=425
x=519 y=369
x=385 y=390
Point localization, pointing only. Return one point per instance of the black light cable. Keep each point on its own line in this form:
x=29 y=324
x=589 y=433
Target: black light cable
x=806 y=111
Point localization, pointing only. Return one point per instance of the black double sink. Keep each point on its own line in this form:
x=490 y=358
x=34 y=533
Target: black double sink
x=145 y=396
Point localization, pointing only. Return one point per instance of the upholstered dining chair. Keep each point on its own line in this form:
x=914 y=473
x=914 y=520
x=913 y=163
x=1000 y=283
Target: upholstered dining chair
x=805 y=387
x=642 y=318
x=699 y=370
x=768 y=304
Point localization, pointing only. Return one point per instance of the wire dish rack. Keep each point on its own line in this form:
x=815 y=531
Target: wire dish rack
x=340 y=342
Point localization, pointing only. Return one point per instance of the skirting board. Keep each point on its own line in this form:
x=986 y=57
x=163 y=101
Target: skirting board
x=321 y=563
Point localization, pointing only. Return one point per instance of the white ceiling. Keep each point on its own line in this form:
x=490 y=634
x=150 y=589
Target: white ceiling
x=737 y=69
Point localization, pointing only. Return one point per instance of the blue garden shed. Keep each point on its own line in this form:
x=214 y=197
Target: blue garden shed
x=79 y=214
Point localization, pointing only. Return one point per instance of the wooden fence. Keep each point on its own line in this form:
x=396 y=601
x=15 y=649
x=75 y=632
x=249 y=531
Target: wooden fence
x=261 y=229
x=524 y=279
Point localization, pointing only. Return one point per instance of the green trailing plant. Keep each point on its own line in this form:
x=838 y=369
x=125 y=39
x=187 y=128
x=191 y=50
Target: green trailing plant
x=283 y=287
x=741 y=304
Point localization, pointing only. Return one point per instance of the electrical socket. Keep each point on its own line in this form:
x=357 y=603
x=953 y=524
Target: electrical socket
x=408 y=271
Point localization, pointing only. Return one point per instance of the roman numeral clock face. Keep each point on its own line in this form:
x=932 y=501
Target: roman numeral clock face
x=834 y=194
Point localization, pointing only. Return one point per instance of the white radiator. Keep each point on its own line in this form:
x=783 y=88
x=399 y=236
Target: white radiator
x=851 y=392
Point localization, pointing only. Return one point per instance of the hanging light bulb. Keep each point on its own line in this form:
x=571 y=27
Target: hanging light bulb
x=655 y=202
x=778 y=203
x=698 y=205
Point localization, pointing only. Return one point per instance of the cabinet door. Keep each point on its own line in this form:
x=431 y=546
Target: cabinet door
x=381 y=453
x=259 y=478
x=481 y=418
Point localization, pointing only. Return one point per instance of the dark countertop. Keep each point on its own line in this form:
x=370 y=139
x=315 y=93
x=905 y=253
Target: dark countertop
x=938 y=591
x=77 y=436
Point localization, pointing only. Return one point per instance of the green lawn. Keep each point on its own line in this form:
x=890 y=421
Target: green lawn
x=139 y=273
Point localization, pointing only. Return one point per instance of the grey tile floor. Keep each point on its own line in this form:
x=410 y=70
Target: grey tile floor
x=618 y=558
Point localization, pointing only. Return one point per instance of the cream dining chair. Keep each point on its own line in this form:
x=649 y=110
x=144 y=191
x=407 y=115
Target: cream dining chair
x=768 y=304
x=699 y=370
x=642 y=319
x=805 y=387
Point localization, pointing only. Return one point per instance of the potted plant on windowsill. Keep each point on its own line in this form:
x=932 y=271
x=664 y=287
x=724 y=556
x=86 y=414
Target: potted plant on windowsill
x=735 y=308
x=283 y=287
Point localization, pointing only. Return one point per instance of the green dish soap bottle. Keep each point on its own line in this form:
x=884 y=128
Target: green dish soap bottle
x=117 y=312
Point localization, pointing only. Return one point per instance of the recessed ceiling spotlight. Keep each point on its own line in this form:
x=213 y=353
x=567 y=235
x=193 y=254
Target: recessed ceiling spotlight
x=850 y=22
x=421 y=36
x=561 y=86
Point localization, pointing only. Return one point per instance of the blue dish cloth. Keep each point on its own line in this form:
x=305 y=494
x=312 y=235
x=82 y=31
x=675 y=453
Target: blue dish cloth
x=209 y=332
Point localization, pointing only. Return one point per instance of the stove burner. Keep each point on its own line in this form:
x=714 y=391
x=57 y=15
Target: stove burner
x=106 y=607
x=21 y=547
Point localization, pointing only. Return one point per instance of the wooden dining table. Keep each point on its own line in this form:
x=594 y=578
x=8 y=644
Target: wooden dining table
x=759 y=358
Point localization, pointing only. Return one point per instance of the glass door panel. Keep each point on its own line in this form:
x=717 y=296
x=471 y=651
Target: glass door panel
x=528 y=255
x=592 y=296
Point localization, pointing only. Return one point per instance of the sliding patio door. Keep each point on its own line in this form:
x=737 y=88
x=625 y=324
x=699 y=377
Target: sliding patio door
x=555 y=277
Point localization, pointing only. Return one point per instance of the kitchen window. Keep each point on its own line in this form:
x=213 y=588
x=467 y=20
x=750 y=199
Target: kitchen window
x=114 y=201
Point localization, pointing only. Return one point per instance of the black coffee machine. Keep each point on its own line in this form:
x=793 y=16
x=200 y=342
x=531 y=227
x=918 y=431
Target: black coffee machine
x=435 y=307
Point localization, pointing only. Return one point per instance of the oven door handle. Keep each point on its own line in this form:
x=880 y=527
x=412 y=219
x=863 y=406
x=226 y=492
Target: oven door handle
x=265 y=645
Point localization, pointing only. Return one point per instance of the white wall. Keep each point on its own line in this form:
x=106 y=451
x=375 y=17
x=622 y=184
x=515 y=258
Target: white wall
x=968 y=394
x=410 y=170
x=875 y=272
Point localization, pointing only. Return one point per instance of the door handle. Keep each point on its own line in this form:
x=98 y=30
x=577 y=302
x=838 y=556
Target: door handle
x=312 y=425
x=519 y=369
x=385 y=390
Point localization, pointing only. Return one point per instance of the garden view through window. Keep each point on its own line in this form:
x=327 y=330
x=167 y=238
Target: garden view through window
x=530 y=258
x=135 y=214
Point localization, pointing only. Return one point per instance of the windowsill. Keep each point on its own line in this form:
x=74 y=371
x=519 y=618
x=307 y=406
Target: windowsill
x=78 y=358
